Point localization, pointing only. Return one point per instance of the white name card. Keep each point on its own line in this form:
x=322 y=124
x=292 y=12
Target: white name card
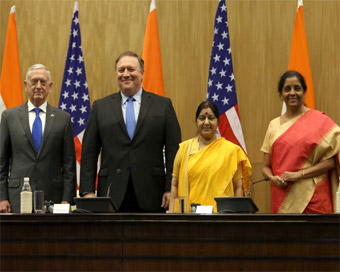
x=61 y=208
x=204 y=209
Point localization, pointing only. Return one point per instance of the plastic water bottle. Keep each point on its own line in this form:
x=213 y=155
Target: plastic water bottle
x=26 y=197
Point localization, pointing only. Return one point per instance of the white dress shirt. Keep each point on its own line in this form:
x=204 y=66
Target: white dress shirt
x=136 y=104
x=32 y=114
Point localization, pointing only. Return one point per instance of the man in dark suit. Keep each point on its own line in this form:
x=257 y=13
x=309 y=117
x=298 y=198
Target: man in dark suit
x=132 y=170
x=48 y=157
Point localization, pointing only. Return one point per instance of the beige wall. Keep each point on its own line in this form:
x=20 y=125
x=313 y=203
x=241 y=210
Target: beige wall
x=260 y=31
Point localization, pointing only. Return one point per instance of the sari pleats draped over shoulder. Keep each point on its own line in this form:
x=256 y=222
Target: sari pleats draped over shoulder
x=210 y=171
x=310 y=139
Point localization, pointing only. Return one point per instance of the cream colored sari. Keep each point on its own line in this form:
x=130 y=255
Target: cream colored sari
x=296 y=145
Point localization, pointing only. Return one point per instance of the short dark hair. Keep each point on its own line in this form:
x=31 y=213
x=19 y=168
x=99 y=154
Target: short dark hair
x=131 y=54
x=208 y=104
x=290 y=74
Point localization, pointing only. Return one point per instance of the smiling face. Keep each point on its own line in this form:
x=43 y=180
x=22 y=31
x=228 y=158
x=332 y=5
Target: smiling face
x=292 y=92
x=38 y=86
x=129 y=75
x=206 y=123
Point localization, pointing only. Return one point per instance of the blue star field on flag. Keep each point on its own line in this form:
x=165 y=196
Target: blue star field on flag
x=221 y=83
x=74 y=95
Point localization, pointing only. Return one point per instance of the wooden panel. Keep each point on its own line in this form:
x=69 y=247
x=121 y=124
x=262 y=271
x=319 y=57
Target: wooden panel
x=260 y=192
x=236 y=246
x=260 y=33
x=163 y=242
x=60 y=246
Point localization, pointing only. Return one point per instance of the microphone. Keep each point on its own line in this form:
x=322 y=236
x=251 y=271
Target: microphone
x=49 y=206
x=109 y=190
x=251 y=185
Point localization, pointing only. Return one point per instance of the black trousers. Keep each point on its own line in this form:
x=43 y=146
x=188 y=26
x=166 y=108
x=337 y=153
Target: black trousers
x=130 y=203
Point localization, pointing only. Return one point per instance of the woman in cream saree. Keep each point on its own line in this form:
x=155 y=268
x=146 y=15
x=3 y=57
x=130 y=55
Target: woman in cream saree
x=300 y=149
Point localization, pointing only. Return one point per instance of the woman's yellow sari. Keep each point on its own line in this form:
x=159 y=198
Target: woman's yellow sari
x=209 y=172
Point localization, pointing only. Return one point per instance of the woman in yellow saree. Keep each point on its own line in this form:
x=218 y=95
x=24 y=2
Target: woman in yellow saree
x=208 y=166
x=300 y=153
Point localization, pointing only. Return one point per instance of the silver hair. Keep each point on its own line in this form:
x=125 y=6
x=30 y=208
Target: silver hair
x=36 y=67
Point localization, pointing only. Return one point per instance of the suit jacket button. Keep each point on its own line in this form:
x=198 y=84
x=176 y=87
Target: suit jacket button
x=118 y=171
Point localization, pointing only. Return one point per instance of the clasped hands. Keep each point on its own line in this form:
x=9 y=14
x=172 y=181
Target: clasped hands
x=283 y=180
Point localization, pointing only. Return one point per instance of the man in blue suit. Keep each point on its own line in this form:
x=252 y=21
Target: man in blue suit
x=132 y=171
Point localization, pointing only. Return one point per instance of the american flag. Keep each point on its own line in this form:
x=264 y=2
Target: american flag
x=74 y=95
x=221 y=82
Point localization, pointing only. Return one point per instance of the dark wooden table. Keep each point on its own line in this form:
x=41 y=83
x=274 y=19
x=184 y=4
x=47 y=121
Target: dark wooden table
x=169 y=242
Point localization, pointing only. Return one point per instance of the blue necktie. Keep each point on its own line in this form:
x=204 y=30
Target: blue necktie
x=130 y=117
x=37 y=130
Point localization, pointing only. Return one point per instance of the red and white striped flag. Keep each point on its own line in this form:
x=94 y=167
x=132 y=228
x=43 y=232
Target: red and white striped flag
x=74 y=95
x=221 y=83
x=10 y=82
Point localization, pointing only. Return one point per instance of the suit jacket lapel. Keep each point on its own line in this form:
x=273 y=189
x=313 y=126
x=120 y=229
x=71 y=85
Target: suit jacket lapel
x=144 y=107
x=50 y=117
x=23 y=115
x=116 y=103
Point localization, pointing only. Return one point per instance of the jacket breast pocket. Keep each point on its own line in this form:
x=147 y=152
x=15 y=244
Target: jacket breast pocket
x=13 y=183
